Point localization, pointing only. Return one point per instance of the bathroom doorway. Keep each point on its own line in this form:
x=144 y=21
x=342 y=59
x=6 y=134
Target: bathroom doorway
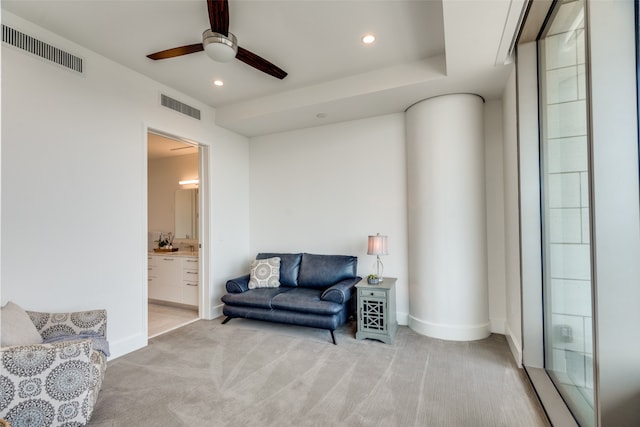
x=173 y=224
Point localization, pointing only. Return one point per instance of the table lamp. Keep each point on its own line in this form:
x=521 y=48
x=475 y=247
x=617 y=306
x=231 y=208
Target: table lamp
x=378 y=246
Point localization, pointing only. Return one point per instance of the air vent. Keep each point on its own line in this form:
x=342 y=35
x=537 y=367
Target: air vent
x=41 y=49
x=180 y=107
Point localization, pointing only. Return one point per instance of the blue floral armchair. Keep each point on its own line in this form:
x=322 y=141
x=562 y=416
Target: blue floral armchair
x=55 y=383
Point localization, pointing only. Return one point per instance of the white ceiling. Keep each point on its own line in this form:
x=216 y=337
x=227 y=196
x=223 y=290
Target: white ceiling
x=159 y=147
x=424 y=48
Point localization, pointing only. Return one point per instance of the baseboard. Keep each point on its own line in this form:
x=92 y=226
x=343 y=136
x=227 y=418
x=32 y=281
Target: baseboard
x=515 y=346
x=450 y=332
x=402 y=318
x=216 y=311
x=127 y=345
x=498 y=326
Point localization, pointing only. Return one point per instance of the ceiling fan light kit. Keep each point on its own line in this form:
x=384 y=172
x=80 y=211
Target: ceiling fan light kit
x=218 y=47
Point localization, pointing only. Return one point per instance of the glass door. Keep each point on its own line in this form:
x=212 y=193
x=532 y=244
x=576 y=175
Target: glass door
x=565 y=174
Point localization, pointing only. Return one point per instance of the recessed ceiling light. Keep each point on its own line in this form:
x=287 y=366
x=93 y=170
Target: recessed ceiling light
x=218 y=83
x=368 y=38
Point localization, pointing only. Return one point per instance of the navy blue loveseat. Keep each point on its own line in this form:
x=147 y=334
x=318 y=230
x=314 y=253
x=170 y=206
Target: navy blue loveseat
x=314 y=291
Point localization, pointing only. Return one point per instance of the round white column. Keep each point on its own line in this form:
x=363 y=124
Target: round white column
x=448 y=290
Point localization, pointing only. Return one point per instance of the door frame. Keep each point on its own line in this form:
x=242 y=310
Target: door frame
x=204 y=224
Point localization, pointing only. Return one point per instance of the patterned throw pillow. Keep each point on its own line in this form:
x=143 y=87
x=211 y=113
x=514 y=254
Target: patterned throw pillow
x=265 y=273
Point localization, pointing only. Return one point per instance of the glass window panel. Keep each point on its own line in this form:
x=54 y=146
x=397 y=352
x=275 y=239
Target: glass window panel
x=564 y=166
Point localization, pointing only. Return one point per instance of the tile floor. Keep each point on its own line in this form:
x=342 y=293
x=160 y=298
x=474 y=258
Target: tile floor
x=165 y=318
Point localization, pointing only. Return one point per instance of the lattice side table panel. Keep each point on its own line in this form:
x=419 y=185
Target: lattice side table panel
x=373 y=315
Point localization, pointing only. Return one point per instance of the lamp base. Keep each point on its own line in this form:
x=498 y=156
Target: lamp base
x=379 y=269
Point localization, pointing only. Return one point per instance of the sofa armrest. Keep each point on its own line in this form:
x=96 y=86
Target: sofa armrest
x=55 y=380
x=238 y=285
x=340 y=292
x=90 y=322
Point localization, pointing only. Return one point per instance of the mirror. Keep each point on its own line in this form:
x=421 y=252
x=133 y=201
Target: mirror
x=186 y=215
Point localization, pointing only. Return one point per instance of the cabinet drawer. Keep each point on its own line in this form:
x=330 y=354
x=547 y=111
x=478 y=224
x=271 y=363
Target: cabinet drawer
x=190 y=269
x=155 y=290
x=190 y=276
x=190 y=293
x=191 y=263
x=370 y=293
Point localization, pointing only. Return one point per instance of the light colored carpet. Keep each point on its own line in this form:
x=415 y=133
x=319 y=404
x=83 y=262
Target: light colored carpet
x=249 y=373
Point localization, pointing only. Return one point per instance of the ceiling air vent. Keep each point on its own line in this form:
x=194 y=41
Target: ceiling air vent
x=41 y=49
x=180 y=107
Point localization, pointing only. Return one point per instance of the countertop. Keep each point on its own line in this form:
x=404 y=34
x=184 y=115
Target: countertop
x=181 y=253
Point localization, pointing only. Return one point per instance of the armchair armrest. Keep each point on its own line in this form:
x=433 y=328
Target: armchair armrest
x=340 y=292
x=238 y=285
x=54 y=380
x=91 y=322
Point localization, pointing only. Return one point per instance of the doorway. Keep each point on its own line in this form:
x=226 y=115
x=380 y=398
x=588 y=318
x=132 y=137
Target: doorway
x=173 y=225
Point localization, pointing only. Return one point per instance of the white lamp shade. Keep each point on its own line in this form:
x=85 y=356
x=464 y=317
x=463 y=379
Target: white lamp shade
x=377 y=245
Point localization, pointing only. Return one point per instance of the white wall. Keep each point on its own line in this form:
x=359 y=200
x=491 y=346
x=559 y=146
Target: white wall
x=494 y=189
x=616 y=210
x=529 y=220
x=163 y=176
x=325 y=189
x=513 y=328
x=447 y=218
x=229 y=213
x=74 y=186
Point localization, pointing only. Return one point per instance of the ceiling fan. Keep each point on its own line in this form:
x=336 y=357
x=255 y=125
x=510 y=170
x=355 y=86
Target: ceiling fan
x=221 y=45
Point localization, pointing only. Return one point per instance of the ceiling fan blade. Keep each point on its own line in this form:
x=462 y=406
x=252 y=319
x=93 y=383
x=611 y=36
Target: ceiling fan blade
x=219 y=16
x=259 y=63
x=177 y=51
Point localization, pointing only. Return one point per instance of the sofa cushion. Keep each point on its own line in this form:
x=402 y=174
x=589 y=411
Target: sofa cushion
x=17 y=327
x=260 y=298
x=322 y=271
x=340 y=292
x=239 y=284
x=289 y=267
x=265 y=273
x=99 y=342
x=305 y=300
x=73 y=323
x=321 y=321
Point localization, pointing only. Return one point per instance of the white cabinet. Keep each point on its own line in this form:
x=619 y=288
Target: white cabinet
x=155 y=282
x=190 y=281
x=173 y=279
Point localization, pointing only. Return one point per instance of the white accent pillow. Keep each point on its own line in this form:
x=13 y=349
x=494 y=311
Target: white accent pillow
x=265 y=273
x=17 y=327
